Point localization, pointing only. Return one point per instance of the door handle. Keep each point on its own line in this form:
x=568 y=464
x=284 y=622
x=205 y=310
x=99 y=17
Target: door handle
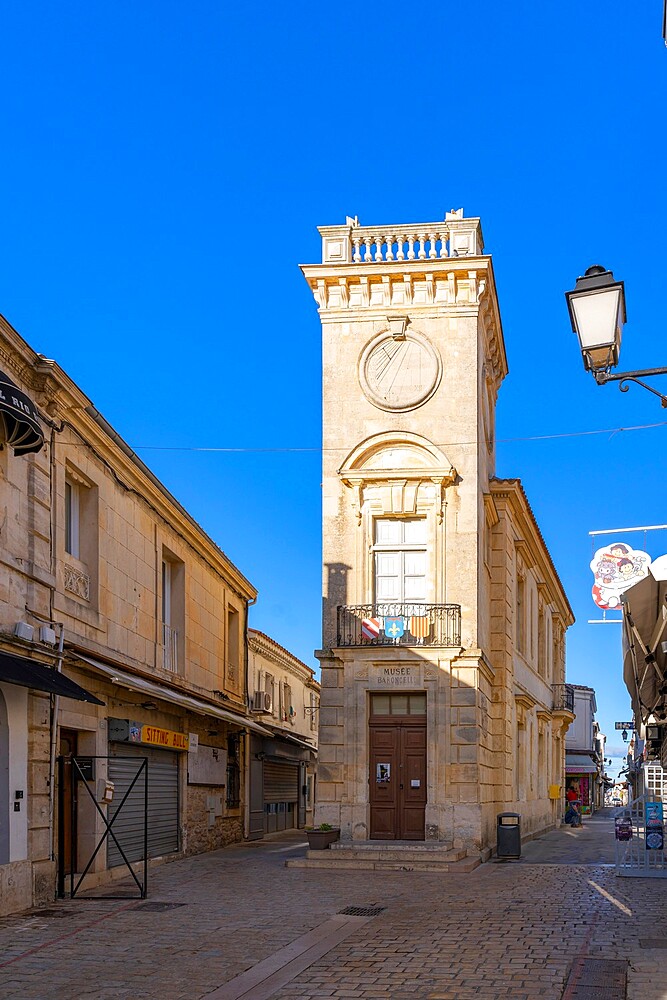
x=401 y=785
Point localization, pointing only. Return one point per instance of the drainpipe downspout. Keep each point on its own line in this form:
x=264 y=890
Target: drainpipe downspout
x=54 y=741
x=248 y=735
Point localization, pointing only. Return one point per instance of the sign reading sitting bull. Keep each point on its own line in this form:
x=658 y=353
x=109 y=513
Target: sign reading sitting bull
x=616 y=567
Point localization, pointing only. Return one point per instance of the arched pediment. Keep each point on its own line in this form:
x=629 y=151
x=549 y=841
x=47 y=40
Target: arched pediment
x=392 y=455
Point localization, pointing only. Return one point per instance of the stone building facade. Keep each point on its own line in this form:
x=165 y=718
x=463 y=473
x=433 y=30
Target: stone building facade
x=122 y=640
x=284 y=696
x=443 y=659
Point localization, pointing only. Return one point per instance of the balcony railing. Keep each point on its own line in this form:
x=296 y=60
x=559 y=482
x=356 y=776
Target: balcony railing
x=423 y=241
x=399 y=625
x=563 y=698
x=170 y=644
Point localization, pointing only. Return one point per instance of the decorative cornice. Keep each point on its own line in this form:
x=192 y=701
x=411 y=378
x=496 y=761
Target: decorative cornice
x=63 y=400
x=447 y=287
x=510 y=493
x=524 y=550
x=491 y=510
x=525 y=700
x=263 y=644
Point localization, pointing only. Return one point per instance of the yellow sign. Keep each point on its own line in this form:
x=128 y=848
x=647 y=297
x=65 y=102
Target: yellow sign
x=164 y=738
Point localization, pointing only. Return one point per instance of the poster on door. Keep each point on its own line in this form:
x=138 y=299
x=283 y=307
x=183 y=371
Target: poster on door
x=655 y=831
x=382 y=773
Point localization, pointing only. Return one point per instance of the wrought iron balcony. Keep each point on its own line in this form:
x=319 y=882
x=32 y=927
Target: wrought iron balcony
x=399 y=625
x=563 y=698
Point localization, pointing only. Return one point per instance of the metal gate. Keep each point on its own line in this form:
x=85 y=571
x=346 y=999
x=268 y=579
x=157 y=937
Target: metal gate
x=83 y=772
x=162 y=812
x=281 y=782
x=637 y=830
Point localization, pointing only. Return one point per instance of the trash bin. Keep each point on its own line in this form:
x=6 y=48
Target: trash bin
x=508 y=835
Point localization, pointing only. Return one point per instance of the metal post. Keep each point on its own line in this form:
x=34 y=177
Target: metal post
x=61 y=828
x=144 y=892
x=72 y=859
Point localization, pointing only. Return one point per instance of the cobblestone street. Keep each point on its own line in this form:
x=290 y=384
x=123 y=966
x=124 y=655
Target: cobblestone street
x=508 y=929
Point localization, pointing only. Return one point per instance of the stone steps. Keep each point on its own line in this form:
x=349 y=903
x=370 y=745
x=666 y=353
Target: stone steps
x=337 y=861
x=375 y=852
x=393 y=855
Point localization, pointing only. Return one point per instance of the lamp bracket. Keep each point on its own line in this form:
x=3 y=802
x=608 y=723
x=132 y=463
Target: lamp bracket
x=601 y=377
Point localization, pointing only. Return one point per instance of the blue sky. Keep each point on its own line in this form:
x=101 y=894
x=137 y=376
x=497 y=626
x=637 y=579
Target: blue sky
x=165 y=166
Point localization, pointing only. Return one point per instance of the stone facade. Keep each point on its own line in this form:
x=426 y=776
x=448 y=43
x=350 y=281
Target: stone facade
x=153 y=620
x=418 y=532
x=285 y=697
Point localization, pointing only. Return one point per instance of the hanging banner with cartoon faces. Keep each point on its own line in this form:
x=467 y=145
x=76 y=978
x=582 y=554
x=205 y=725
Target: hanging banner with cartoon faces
x=615 y=568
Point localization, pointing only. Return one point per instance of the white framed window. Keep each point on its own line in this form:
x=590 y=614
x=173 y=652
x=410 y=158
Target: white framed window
x=173 y=612
x=233 y=671
x=290 y=712
x=521 y=614
x=399 y=553
x=72 y=518
x=270 y=688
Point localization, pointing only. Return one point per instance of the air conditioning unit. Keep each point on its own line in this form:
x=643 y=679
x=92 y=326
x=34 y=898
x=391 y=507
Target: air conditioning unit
x=261 y=701
x=24 y=631
x=47 y=635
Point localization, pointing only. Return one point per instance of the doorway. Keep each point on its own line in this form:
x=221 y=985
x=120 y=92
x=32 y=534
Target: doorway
x=397 y=780
x=68 y=820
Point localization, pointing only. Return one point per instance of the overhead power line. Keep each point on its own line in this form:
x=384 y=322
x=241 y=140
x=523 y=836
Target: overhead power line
x=446 y=444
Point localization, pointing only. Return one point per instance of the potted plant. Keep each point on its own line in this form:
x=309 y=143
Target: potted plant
x=319 y=837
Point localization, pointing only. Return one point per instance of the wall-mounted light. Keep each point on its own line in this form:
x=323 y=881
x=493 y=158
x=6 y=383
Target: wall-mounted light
x=150 y=706
x=597 y=313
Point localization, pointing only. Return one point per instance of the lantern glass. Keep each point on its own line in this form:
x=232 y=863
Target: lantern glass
x=597 y=316
x=597 y=313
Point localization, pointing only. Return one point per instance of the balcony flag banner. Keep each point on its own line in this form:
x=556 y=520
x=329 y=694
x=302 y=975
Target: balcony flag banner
x=616 y=567
x=18 y=417
x=420 y=626
x=370 y=628
x=393 y=627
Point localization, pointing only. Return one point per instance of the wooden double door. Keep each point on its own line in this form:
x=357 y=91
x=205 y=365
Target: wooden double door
x=397 y=779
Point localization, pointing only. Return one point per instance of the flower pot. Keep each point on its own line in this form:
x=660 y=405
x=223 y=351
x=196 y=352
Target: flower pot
x=319 y=840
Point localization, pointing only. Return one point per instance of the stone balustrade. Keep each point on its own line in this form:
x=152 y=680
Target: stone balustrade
x=432 y=241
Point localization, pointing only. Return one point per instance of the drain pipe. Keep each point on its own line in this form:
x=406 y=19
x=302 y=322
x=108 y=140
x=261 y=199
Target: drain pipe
x=248 y=737
x=54 y=741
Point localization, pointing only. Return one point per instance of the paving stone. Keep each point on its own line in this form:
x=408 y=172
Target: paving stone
x=511 y=930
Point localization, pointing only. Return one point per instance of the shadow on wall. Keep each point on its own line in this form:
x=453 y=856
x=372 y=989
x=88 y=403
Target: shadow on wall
x=335 y=596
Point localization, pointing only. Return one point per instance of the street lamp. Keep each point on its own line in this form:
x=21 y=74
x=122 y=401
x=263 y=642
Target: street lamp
x=597 y=313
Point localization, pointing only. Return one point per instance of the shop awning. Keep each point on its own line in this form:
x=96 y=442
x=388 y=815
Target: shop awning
x=644 y=634
x=290 y=738
x=575 y=764
x=135 y=683
x=23 y=432
x=30 y=674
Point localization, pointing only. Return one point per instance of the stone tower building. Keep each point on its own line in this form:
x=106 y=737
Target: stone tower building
x=443 y=697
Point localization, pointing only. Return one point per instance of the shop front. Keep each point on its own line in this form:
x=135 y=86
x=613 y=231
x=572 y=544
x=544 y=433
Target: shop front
x=278 y=784
x=580 y=775
x=129 y=745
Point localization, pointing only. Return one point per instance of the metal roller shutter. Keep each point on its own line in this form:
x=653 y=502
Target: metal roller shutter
x=162 y=803
x=281 y=782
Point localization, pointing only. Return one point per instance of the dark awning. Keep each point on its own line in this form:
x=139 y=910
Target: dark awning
x=17 y=412
x=30 y=674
